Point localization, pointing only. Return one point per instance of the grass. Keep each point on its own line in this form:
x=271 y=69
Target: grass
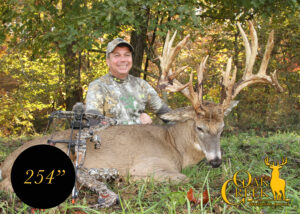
x=242 y=151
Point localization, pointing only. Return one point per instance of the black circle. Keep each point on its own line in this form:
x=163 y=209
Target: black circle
x=36 y=178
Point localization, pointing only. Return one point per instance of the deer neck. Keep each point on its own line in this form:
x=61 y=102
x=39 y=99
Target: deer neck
x=275 y=173
x=183 y=137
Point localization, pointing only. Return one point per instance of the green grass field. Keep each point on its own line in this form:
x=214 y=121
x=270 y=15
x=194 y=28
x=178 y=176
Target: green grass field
x=240 y=152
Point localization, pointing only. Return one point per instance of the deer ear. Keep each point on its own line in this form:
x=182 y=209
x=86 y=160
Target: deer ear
x=232 y=104
x=180 y=114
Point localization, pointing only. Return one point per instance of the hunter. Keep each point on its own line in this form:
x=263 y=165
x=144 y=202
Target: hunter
x=120 y=95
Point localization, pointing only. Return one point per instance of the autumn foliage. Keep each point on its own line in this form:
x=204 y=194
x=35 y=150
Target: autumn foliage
x=49 y=52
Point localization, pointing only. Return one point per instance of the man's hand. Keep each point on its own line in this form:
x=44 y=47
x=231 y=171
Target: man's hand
x=145 y=118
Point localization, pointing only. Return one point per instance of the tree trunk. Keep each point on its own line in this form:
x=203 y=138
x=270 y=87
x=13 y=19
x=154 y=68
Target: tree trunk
x=138 y=41
x=72 y=68
x=72 y=78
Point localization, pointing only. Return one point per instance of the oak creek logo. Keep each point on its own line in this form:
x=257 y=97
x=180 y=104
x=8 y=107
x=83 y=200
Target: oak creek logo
x=256 y=191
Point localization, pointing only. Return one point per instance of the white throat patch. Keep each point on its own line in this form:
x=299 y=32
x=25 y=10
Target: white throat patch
x=197 y=147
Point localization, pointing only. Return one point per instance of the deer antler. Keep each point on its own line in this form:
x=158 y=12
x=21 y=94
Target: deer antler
x=196 y=96
x=167 y=60
x=267 y=162
x=232 y=89
x=284 y=161
x=167 y=80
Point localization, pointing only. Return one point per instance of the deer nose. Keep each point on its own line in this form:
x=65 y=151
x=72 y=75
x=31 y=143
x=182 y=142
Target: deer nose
x=215 y=162
x=117 y=200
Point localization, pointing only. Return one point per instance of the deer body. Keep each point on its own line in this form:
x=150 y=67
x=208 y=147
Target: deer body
x=138 y=150
x=277 y=185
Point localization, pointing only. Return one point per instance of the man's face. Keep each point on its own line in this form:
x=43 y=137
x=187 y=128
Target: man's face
x=120 y=62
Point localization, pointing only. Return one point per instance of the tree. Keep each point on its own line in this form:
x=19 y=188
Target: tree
x=64 y=27
x=71 y=26
x=68 y=31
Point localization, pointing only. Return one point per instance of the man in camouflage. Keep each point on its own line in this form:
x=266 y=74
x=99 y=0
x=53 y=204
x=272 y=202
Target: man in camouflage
x=119 y=95
x=122 y=97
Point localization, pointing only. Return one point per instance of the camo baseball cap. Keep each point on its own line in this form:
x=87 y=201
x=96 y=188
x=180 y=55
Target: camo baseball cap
x=114 y=43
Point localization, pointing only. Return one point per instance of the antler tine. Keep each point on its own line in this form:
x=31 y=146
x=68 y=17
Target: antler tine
x=163 y=58
x=246 y=43
x=167 y=59
x=267 y=54
x=275 y=81
x=170 y=53
x=167 y=52
x=175 y=51
x=254 y=47
x=265 y=62
x=228 y=84
x=284 y=161
x=196 y=98
x=193 y=96
x=200 y=71
x=267 y=161
x=251 y=52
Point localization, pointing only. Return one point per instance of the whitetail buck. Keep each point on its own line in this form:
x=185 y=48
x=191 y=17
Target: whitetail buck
x=162 y=151
x=277 y=184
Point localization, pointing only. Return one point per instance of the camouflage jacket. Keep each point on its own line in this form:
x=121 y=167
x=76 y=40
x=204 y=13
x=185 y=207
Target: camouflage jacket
x=123 y=100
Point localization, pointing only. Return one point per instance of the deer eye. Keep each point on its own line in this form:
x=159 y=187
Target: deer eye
x=200 y=129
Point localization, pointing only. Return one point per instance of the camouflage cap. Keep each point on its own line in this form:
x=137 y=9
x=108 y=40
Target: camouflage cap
x=113 y=44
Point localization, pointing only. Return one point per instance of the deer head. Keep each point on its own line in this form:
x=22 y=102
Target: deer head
x=209 y=116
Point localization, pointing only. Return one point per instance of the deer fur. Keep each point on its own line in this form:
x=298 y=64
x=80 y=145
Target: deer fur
x=147 y=150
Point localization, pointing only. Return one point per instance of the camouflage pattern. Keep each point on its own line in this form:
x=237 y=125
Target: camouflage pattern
x=104 y=174
x=88 y=178
x=94 y=178
x=123 y=100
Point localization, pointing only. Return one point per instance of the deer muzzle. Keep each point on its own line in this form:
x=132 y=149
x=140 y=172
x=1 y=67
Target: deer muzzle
x=215 y=162
x=213 y=152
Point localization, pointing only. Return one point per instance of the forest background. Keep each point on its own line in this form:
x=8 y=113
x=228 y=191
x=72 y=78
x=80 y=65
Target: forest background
x=51 y=50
